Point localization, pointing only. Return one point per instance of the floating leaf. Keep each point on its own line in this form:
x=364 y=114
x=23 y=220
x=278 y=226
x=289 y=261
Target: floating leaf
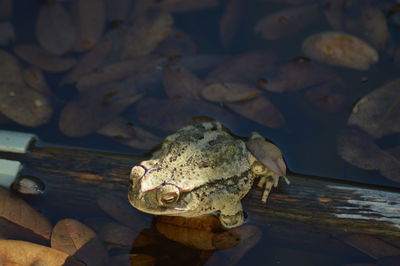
x=90 y=61
x=243 y=68
x=260 y=110
x=17 y=211
x=371 y=246
x=54 y=29
x=286 y=22
x=43 y=60
x=378 y=112
x=70 y=235
x=179 y=82
x=340 y=49
x=229 y=92
x=18 y=102
x=15 y=252
x=90 y=16
x=146 y=33
x=358 y=149
x=97 y=107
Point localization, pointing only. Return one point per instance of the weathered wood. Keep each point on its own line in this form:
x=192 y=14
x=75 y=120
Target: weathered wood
x=74 y=177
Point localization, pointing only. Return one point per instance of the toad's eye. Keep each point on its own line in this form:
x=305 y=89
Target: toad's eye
x=169 y=198
x=168 y=194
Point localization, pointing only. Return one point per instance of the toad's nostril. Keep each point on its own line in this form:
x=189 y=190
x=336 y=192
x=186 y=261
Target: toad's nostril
x=137 y=172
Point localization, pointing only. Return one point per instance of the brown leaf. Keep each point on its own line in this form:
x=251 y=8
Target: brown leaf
x=90 y=16
x=43 y=60
x=243 y=68
x=229 y=92
x=18 y=102
x=179 y=82
x=54 y=29
x=358 y=149
x=126 y=133
x=90 y=61
x=19 y=212
x=260 y=110
x=177 y=44
x=146 y=33
x=26 y=253
x=70 y=235
x=96 y=108
x=340 y=49
x=371 y=246
x=229 y=21
x=378 y=112
x=286 y=22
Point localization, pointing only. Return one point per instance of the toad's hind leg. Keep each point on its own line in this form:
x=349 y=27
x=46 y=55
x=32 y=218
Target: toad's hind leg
x=232 y=214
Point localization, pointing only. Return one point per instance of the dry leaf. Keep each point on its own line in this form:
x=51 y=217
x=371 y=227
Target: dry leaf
x=146 y=33
x=229 y=92
x=179 y=82
x=286 y=22
x=26 y=253
x=90 y=16
x=340 y=49
x=18 y=102
x=260 y=110
x=243 y=68
x=371 y=246
x=54 y=29
x=90 y=61
x=43 y=60
x=378 y=112
x=358 y=149
x=70 y=235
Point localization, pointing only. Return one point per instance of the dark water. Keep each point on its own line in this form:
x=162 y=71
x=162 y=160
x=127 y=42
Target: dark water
x=307 y=140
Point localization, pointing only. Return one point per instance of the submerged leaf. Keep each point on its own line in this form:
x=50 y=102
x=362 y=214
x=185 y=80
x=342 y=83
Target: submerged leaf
x=358 y=149
x=181 y=82
x=371 y=246
x=378 y=112
x=229 y=21
x=340 y=49
x=260 y=110
x=70 y=235
x=54 y=29
x=229 y=92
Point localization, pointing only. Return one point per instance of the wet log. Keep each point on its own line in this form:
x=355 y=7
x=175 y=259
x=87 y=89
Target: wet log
x=75 y=177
